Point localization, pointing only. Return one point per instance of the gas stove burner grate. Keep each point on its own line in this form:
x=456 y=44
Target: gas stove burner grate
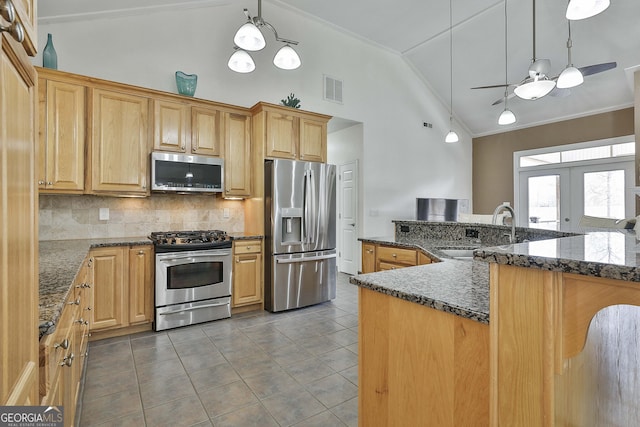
x=190 y=240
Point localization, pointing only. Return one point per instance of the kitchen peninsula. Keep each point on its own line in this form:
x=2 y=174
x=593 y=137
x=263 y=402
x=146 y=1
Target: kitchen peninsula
x=498 y=340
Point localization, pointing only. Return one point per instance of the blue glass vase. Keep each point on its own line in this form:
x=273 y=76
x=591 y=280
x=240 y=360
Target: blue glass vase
x=49 y=55
x=186 y=83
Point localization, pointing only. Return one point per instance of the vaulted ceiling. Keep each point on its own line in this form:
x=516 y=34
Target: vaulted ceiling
x=418 y=31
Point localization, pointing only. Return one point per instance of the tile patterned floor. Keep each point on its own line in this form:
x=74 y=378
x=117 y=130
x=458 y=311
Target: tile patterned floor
x=296 y=368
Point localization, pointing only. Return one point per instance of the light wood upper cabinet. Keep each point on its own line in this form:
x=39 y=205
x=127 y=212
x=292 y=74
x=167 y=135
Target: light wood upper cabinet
x=26 y=11
x=171 y=126
x=62 y=137
x=187 y=128
x=289 y=133
x=313 y=140
x=237 y=163
x=206 y=131
x=18 y=219
x=141 y=281
x=120 y=143
x=282 y=135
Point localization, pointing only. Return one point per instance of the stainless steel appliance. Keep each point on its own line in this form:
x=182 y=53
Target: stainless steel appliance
x=181 y=173
x=440 y=209
x=300 y=228
x=192 y=277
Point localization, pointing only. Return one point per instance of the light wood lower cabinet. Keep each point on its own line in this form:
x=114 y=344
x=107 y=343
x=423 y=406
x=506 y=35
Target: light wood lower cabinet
x=122 y=281
x=419 y=363
x=63 y=353
x=376 y=257
x=247 y=273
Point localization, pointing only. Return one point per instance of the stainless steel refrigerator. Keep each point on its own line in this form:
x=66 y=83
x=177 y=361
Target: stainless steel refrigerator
x=300 y=232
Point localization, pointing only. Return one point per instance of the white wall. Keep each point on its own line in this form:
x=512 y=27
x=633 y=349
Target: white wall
x=401 y=159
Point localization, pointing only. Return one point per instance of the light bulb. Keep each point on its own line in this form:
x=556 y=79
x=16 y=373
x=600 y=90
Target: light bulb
x=451 y=137
x=507 y=117
x=534 y=89
x=286 y=58
x=249 y=37
x=570 y=77
x=241 y=62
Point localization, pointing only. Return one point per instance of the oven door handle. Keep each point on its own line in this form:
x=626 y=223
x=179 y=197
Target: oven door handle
x=218 y=304
x=315 y=258
x=193 y=259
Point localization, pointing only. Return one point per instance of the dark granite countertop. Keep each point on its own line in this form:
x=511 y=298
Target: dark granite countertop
x=59 y=263
x=462 y=287
x=453 y=286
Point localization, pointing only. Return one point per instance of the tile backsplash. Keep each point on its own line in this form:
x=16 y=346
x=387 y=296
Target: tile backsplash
x=78 y=217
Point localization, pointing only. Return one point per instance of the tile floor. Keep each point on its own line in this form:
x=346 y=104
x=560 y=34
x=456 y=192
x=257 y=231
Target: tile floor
x=297 y=368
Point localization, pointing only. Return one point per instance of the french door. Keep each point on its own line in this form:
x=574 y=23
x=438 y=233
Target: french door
x=556 y=198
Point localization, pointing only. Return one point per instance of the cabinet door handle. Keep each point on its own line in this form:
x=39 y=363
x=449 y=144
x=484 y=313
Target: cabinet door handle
x=394 y=255
x=64 y=344
x=369 y=251
x=40 y=182
x=76 y=302
x=182 y=147
x=7 y=11
x=140 y=252
x=68 y=360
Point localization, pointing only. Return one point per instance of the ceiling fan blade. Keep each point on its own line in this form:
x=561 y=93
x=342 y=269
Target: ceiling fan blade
x=560 y=93
x=501 y=100
x=493 y=86
x=597 y=68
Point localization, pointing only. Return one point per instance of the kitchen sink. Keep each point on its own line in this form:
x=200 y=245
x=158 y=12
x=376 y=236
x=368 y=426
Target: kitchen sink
x=461 y=254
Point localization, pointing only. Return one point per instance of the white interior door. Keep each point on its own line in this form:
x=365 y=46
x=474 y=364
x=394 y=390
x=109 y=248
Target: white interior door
x=348 y=254
x=557 y=198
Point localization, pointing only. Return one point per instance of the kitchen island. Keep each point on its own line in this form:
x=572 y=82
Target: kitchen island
x=528 y=367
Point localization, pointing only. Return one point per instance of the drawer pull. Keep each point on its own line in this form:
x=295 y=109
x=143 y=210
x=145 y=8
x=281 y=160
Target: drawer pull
x=64 y=344
x=394 y=255
x=140 y=252
x=369 y=251
x=76 y=302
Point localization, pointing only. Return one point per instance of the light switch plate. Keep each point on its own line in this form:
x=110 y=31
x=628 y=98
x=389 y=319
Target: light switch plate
x=225 y=213
x=104 y=214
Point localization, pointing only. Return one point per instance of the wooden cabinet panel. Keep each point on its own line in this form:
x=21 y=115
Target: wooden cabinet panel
x=26 y=11
x=313 y=140
x=108 y=279
x=206 y=131
x=237 y=155
x=120 y=143
x=396 y=255
x=18 y=219
x=171 y=126
x=141 y=277
x=423 y=259
x=62 y=137
x=247 y=273
x=282 y=135
x=368 y=258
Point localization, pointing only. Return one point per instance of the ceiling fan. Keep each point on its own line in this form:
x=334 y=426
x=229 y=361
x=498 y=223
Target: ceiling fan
x=538 y=84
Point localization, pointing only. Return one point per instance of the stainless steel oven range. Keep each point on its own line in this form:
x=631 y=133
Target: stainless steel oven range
x=193 y=277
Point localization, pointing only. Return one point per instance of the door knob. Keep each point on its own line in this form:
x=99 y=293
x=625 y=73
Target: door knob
x=567 y=220
x=353 y=224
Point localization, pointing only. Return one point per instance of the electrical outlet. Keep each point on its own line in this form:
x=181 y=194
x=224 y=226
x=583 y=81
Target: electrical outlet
x=470 y=232
x=225 y=213
x=104 y=214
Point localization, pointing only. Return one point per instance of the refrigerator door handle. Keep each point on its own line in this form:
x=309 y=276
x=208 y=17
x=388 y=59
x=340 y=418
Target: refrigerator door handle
x=306 y=207
x=298 y=260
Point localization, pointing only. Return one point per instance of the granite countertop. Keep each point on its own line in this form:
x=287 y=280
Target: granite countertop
x=462 y=287
x=606 y=254
x=60 y=261
x=453 y=286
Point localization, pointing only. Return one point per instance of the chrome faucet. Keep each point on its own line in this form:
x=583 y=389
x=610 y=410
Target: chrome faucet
x=506 y=207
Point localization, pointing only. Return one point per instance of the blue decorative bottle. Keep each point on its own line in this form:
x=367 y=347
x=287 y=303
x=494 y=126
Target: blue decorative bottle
x=49 y=55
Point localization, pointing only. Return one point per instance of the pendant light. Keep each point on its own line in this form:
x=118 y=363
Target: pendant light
x=452 y=136
x=570 y=76
x=506 y=117
x=249 y=38
x=582 y=9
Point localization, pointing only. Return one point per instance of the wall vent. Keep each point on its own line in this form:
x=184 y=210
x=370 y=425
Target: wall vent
x=332 y=89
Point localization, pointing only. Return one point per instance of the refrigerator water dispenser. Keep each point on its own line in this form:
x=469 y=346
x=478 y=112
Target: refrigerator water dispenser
x=291 y=225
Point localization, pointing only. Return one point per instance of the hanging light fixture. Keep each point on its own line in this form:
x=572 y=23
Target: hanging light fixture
x=582 y=9
x=570 y=76
x=506 y=117
x=452 y=136
x=249 y=38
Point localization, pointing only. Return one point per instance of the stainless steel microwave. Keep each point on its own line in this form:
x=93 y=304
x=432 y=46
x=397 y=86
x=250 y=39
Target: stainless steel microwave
x=185 y=173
